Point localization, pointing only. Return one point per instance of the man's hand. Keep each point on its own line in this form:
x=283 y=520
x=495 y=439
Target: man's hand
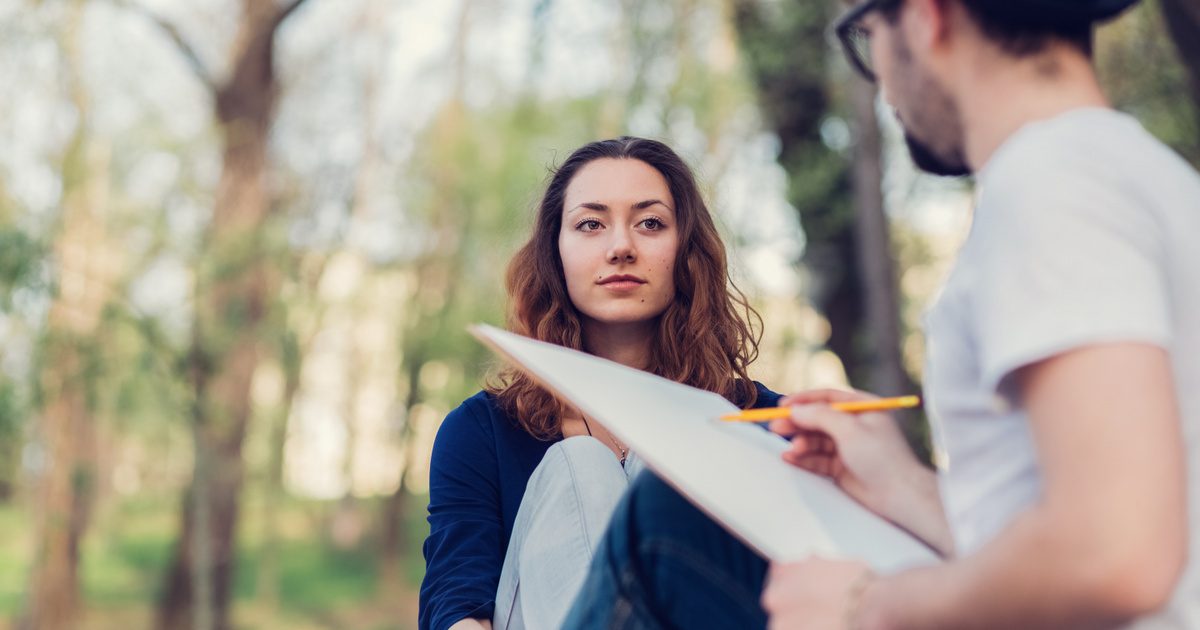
x=868 y=457
x=815 y=594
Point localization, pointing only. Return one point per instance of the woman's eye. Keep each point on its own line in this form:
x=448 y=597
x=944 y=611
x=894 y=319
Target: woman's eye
x=588 y=225
x=653 y=224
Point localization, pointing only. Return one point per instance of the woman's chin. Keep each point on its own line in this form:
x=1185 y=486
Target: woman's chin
x=625 y=318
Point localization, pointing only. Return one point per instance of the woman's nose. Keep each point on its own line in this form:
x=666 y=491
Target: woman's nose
x=622 y=250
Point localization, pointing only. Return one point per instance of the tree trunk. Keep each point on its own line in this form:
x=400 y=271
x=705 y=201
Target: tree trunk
x=234 y=284
x=69 y=355
x=346 y=527
x=786 y=50
x=435 y=275
x=881 y=337
x=86 y=264
x=393 y=515
x=1183 y=23
x=268 y=575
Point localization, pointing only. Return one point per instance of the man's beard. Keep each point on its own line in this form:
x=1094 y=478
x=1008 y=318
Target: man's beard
x=936 y=116
x=930 y=162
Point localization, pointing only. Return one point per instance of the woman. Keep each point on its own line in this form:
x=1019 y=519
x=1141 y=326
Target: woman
x=626 y=264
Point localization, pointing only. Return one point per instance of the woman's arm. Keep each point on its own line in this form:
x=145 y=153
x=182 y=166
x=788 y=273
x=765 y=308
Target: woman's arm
x=464 y=551
x=472 y=624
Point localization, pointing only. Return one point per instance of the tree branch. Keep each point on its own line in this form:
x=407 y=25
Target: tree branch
x=189 y=54
x=286 y=11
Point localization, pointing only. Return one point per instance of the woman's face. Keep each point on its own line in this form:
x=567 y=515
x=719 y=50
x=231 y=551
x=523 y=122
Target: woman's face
x=618 y=241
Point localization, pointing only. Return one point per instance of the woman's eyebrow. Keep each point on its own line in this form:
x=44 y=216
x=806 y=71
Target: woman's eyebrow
x=642 y=205
x=590 y=205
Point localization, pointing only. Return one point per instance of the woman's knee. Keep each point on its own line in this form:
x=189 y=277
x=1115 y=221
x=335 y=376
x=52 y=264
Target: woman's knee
x=580 y=469
x=587 y=451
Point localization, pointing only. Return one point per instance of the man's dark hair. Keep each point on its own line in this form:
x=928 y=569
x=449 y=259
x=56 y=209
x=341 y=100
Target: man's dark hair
x=1020 y=36
x=1016 y=32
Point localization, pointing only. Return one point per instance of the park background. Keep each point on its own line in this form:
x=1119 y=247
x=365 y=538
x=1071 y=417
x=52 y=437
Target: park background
x=240 y=241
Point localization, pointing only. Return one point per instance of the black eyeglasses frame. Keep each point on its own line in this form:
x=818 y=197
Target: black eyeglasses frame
x=847 y=27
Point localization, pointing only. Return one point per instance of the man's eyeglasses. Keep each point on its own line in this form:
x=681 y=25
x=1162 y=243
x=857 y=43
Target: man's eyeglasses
x=856 y=39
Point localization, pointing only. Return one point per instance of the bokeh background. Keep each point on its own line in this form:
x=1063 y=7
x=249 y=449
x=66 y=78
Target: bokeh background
x=240 y=241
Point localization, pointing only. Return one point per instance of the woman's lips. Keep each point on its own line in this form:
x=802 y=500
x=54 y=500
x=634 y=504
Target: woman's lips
x=621 y=282
x=622 y=285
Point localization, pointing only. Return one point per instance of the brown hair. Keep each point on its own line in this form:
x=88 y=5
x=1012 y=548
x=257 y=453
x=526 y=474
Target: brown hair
x=704 y=337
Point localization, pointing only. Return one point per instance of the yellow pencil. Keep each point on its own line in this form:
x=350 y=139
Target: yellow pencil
x=855 y=406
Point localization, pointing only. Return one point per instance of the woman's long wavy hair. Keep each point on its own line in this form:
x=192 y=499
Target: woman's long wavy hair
x=704 y=338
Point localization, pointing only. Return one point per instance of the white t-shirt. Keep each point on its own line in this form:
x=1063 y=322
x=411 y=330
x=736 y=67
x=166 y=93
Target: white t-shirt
x=1087 y=230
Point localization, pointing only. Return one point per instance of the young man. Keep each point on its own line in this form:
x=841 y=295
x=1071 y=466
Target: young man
x=1062 y=375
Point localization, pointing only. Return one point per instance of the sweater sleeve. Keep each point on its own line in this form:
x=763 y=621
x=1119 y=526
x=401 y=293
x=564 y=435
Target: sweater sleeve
x=766 y=397
x=464 y=551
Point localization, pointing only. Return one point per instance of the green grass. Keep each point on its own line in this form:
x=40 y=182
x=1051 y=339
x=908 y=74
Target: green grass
x=320 y=578
x=126 y=570
x=129 y=546
x=16 y=553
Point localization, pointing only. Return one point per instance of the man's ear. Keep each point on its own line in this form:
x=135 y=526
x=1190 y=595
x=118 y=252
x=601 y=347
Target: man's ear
x=929 y=24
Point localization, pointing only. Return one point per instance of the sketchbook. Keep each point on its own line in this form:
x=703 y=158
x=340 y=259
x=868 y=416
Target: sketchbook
x=731 y=471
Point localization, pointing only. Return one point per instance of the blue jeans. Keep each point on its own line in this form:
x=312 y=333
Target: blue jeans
x=664 y=564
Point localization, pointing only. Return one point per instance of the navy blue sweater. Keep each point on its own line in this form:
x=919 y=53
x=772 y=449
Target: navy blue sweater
x=480 y=465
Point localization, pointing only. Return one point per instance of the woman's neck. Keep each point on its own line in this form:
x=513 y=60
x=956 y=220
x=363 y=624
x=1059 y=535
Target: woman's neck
x=627 y=344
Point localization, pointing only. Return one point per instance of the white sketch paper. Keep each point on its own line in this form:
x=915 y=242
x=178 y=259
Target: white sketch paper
x=731 y=471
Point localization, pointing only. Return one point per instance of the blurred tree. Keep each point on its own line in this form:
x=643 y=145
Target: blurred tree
x=1182 y=19
x=1183 y=24
x=11 y=425
x=1148 y=62
x=881 y=338
x=848 y=250
x=20 y=258
x=234 y=288
x=68 y=361
x=430 y=332
x=436 y=268
x=291 y=351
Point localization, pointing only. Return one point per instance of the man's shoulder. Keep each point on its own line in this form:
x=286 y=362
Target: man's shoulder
x=1080 y=167
x=1094 y=147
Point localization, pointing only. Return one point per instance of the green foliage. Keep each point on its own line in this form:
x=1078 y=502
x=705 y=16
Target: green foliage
x=11 y=429
x=21 y=259
x=1142 y=73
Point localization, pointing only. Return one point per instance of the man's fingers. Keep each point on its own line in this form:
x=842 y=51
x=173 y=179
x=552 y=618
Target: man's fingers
x=816 y=463
x=807 y=442
x=802 y=443
x=813 y=418
x=784 y=427
x=826 y=396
